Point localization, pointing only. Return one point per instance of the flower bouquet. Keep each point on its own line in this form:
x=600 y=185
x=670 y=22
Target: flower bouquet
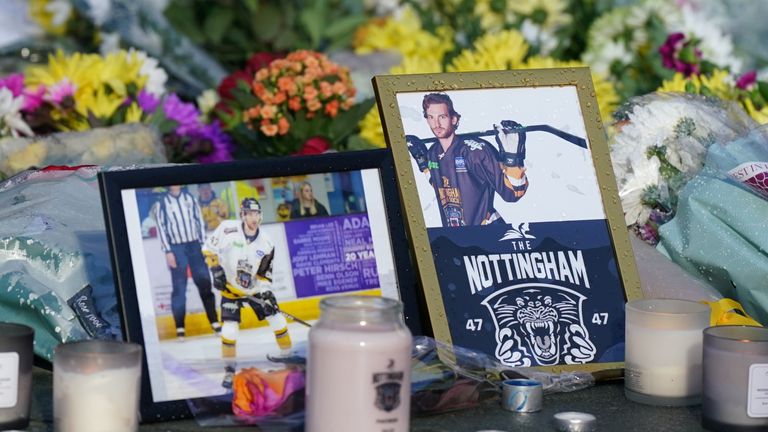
x=80 y=92
x=300 y=101
x=660 y=145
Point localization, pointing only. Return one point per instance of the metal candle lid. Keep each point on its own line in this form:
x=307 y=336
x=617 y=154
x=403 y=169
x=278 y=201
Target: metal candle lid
x=572 y=421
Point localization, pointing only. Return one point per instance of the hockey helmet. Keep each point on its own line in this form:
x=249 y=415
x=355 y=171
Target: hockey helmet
x=250 y=204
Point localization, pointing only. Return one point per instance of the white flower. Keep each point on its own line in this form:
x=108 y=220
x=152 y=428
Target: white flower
x=207 y=101
x=535 y=34
x=99 y=10
x=11 y=122
x=645 y=173
x=716 y=46
x=150 y=68
x=59 y=10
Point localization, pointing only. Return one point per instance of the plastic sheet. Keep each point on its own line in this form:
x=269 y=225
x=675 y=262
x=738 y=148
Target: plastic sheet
x=117 y=145
x=55 y=272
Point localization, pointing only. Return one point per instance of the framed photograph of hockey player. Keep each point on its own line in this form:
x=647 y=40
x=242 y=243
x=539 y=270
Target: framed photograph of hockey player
x=513 y=214
x=221 y=268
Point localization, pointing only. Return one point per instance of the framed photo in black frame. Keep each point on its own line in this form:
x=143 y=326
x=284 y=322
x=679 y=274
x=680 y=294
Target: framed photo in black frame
x=513 y=213
x=334 y=228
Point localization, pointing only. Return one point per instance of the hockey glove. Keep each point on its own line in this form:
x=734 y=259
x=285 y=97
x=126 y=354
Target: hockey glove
x=511 y=141
x=267 y=302
x=418 y=150
x=219 y=278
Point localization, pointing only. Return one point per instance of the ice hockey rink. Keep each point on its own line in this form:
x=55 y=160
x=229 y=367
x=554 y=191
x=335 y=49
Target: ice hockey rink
x=194 y=368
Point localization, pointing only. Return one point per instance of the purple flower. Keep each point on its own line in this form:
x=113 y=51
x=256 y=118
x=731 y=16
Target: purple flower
x=680 y=55
x=147 y=101
x=220 y=143
x=14 y=83
x=184 y=114
x=747 y=80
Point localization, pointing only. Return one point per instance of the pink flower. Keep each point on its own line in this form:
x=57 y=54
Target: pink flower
x=59 y=91
x=680 y=55
x=747 y=80
x=314 y=145
x=32 y=98
x=14 y=83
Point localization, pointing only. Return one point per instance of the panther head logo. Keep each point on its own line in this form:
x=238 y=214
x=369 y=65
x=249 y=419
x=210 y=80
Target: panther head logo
x=539 y=325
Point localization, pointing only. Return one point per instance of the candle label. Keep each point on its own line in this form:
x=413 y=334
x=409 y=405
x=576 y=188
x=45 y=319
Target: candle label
x=757 y=399
x=9 y=379
x=388 y=385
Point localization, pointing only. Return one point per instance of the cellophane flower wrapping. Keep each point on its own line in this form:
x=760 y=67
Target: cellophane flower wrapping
x=719 y=231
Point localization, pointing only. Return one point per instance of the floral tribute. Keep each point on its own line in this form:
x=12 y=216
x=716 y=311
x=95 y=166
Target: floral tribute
x=79 y=92
x=293 y=102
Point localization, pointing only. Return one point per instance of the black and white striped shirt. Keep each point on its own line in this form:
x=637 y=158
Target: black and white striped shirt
x=179 y=220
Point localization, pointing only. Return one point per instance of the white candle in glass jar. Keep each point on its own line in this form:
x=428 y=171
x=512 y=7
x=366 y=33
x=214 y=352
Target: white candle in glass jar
x=96 y=402
x=663 y=351
x=359 y=376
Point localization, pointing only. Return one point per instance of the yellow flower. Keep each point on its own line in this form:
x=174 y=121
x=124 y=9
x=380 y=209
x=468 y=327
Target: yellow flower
x=549 y=14
x=99 y=104
x=497 y=51
x=404 y=35
x=118 y=70
x=760 y=116
x=718 y=84
x=77 y=68
x=492 y=19
x=133 y=114
x=370 y=127
x=52 y=15
x=607 y=98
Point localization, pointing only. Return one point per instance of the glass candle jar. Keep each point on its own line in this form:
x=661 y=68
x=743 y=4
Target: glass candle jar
x=735 y=379
x=15 y=374
x=359 y=367
x=96 y=386
x=663 y=353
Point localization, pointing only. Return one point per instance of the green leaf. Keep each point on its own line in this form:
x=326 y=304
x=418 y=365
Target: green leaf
x=343 y=26
x=347 y=121
x=267 y=22
x=217 y=23
x=356 y=142
x=251 y=5
x=762 y=87
x=182 y=17
x=314 y=20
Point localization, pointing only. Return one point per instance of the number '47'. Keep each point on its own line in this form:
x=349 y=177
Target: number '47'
x=600 y=318
x=474 y=324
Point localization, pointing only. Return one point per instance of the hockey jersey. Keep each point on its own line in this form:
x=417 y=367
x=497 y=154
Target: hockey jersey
x=247 y=265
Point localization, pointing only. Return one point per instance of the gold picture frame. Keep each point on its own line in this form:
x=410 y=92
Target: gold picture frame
x=561 y=217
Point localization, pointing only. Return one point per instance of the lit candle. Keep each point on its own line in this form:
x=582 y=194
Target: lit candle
x=663 y=357
x=15 y=375
x=735 y=379
x=96 y=386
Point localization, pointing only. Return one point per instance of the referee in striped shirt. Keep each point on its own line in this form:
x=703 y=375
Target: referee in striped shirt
x=182 y=233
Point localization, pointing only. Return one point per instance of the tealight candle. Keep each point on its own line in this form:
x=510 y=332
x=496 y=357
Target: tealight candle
x=735 y=379
x=15 y=375
x=664 y=351
x=96 y=386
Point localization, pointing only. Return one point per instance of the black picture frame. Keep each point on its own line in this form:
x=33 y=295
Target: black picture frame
x=114 y=184
x=483 y=234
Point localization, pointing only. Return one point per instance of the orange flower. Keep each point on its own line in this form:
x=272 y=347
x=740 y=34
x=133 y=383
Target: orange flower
x=332 y=108
x=311 y=62
x=294 y=103
x=254 y=112
x=279 y=98
x=326 y=89
x=268 y=111
x=259 y=90
x=339 y=88
x=262 y=74
x=310 y=92
x=268 y=129
x=347 y=104
x=283 y=125
x=287 y=84
x=314 y=104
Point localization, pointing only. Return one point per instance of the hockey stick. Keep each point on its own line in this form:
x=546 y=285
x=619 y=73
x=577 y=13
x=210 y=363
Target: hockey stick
x=573 y=139
x=264 y=304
